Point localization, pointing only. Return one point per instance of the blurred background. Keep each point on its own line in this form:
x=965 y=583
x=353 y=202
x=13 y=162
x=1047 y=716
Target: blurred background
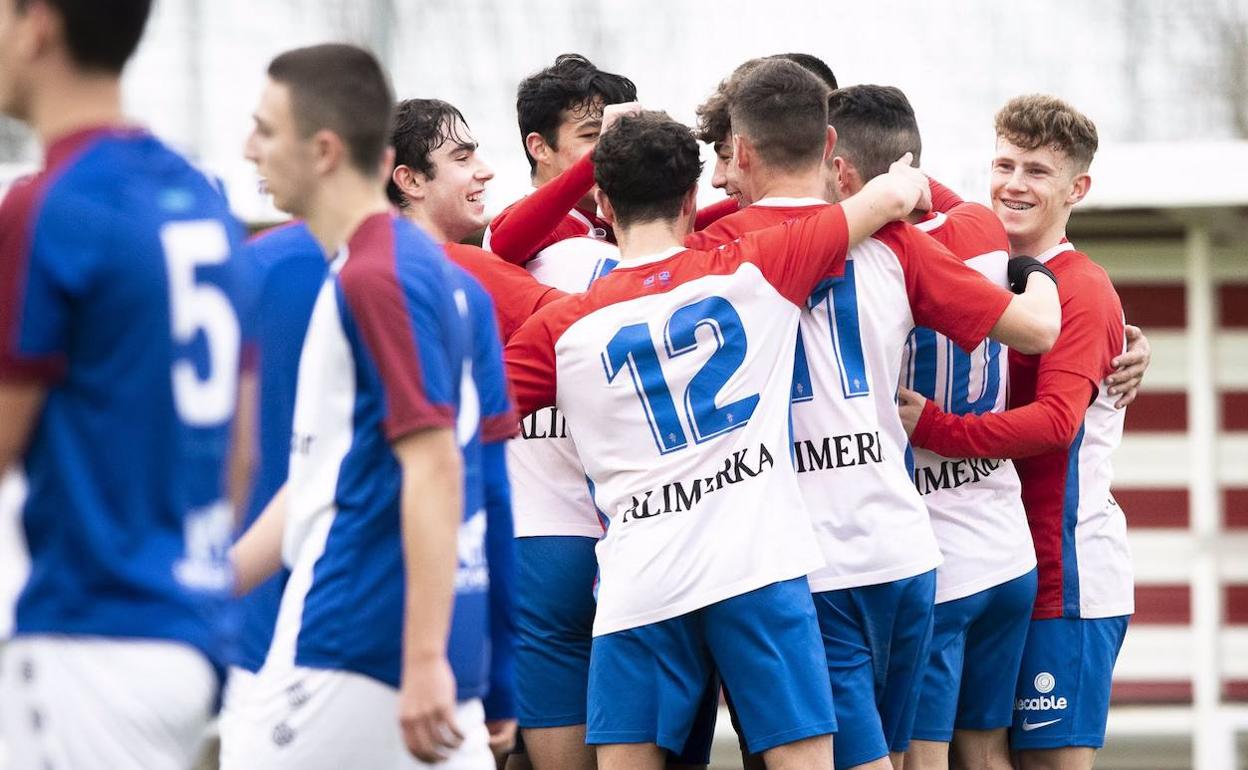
x=1166 y=84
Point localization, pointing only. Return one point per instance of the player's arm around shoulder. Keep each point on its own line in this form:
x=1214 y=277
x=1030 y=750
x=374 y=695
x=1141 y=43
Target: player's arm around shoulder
x=886 y=198
x=1032 y=321
x=795 y=255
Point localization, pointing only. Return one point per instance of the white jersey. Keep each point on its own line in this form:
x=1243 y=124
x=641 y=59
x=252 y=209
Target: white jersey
x=674 y=378
x=549 y=495
x=850 y=449
x=975 y=504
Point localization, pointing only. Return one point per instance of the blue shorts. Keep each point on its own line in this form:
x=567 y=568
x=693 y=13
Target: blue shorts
x=554 y=628
x=977 y=647
x=876 y=640
x=648 y=684
x=1063 y=686
x=554 y=631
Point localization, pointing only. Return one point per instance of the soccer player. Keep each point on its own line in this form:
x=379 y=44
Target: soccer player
x=559 y=110
x=368 y=519
x=1061 y=429
x=541 y=217
x=556 y=233
x=438 y=182
x=986 y=584
x=692 y=578
x=119 y=346
x=288 y=267
x=875 y=596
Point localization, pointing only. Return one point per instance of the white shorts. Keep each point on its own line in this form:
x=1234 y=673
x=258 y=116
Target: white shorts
x=70 y=702
x=14 y=560
x=307 y=719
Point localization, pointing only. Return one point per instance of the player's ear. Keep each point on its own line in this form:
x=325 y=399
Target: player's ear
x=328 y=151
x=1079 y=188
x=845 y=176
x=689 y=206
x=535 y=143
x=41 y=31
x=410 y=182
x=604 y=206
x=742 y=152
x=830 y=145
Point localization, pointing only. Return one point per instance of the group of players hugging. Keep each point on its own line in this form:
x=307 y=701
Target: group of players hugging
x=629 y=461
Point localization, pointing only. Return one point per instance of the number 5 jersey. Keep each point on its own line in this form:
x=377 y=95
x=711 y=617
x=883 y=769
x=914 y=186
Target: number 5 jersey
x=118 y=294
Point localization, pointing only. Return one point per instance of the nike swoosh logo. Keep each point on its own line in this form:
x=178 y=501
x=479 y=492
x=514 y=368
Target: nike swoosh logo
x=1029 y=726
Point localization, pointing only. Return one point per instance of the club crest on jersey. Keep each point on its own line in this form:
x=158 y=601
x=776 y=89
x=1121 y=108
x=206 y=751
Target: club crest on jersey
x=207 y=533
x=683 y=495
x=663 y=277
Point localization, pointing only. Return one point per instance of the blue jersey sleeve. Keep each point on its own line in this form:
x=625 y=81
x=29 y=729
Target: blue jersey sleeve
x=500 y=702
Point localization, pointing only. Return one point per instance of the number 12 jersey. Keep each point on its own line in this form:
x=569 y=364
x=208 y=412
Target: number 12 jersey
x=674 y=373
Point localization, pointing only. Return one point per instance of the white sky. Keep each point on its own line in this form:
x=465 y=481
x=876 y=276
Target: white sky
x=1142 y=70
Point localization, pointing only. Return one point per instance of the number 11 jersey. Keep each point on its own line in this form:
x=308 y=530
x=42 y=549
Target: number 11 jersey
x=673 y=373
x=851 y=451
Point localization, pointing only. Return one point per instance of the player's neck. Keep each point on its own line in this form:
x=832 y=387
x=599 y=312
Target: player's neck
x=65 y=104
x=646 y=238
x=418 y=216
x=767 y=183
x=1037 y=244
x=340 y=205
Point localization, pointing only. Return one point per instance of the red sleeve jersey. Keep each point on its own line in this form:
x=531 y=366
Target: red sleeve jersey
x=781 y=254
x=549 y=214
x=1061 y=426
x=944 y=293
x=969 y=230
x=516 y=294
x=1050 y=393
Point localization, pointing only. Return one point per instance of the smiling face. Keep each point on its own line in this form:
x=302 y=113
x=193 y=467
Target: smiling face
x=719 y=177
x=284 y=158
x=1032 y=194
x=455 y=191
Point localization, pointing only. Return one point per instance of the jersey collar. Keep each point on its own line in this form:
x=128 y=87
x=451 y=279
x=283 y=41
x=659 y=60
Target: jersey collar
x=789 y=203
x=68 y=145
x=934 y=221
x=1060 y=248
x=650 y=259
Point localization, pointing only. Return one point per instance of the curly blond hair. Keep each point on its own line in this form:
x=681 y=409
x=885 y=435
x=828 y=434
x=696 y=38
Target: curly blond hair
x=1039 y=120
